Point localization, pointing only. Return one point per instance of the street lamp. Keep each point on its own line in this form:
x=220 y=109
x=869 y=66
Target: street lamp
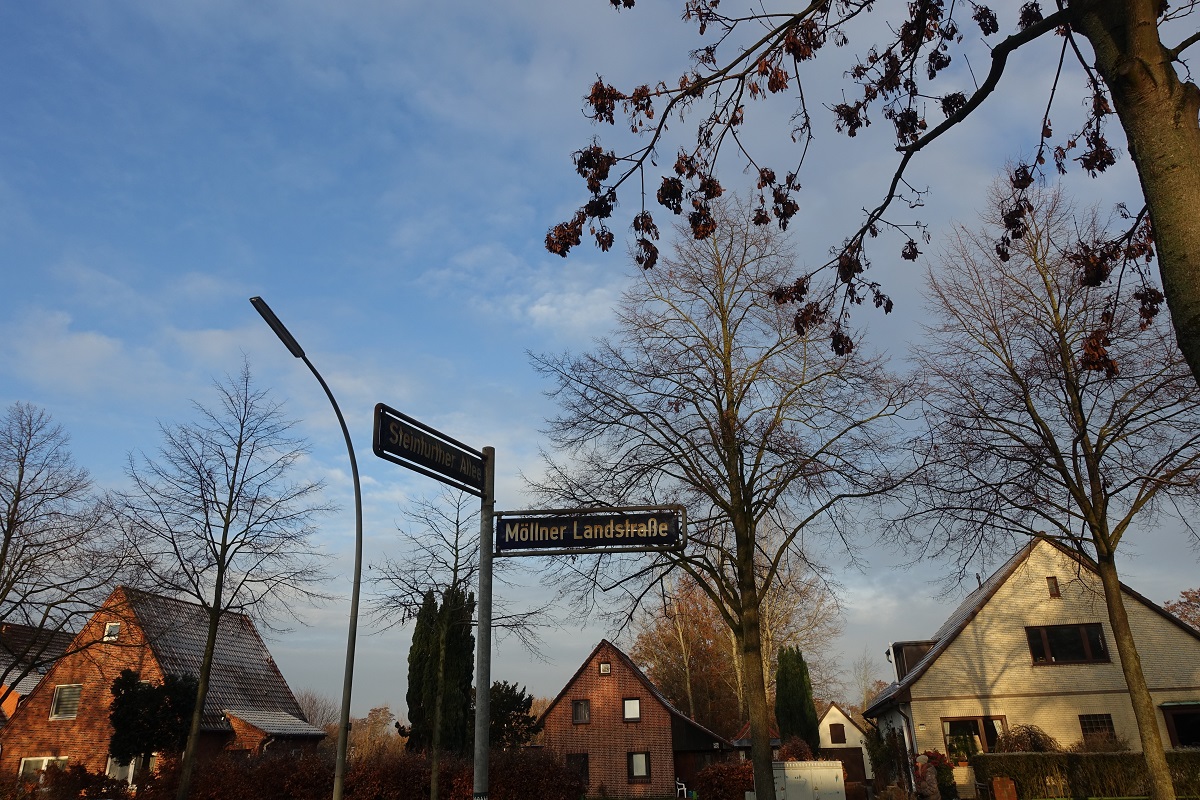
x=339 y=773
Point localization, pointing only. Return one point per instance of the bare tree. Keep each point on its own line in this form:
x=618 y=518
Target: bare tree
x=442 y=559
x=319 y=709
x=218 y=519
x=58 y=558
x=1054 y=411
x=709 y=397
x=1128 y=60
x=686 y=649
x=441 y=553
x=865 y=682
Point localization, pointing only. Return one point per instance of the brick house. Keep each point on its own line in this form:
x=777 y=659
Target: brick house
x=1033 y=645
x=614 y=726
x=64 y=720
x=26 y=652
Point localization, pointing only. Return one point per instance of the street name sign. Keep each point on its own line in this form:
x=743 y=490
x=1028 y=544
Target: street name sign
x=402 y=440
x=590 y=530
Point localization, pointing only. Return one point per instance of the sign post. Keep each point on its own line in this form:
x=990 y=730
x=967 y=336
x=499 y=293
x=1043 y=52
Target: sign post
x=402 y=440
x=483 y=647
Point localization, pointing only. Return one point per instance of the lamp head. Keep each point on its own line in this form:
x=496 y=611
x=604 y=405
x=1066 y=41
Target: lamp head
x=282 y=332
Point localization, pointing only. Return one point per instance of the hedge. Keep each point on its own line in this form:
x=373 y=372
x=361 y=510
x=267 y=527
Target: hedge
x=1083 y=775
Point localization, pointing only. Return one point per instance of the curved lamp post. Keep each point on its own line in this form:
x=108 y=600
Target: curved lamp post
x=339 y=774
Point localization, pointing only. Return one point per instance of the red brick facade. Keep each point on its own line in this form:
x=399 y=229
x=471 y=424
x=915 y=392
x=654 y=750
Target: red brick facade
x=31 y=733
x=82 y=734
x=616 y=747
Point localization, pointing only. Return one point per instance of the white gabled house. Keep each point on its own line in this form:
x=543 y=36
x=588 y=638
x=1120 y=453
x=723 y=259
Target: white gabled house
x=1032 y=645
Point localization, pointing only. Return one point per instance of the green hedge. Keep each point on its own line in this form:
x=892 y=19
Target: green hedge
x=1082 y=775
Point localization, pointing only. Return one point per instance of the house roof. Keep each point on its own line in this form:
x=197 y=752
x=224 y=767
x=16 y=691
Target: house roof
x=972 y=604
x=275 y=723
x=641 y=676
x=742 y=740
x=848 y=715
x=27 y=647
x=243 y=676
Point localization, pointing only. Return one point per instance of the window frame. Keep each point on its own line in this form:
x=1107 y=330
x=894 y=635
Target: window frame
x=581 y=712
x=112 y=631
x=629 y=764
x=625 y=701
x=59 y=761
x=605 y=668
x=837 y=733
x=981 y=730
x=1053 y=587
x=55 y=712
x=1082 y=628
x=1102 y=726
x=1170 y=714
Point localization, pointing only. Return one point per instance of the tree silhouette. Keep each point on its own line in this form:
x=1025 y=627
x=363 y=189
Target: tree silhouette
x=746 y=58
x=1025 y=439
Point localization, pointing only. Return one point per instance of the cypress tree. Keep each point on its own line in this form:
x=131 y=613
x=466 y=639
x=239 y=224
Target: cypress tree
x=795 y=711
x=442 y=637
x=420 y=654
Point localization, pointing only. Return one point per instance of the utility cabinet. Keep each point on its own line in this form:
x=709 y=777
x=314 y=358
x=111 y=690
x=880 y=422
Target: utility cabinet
x=808 y=780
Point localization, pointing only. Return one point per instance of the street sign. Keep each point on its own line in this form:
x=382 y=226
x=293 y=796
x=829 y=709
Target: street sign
x=590 y=530
x=404 y=441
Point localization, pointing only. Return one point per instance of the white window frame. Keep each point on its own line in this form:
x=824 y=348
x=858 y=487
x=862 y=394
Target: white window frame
x=25 y=773
x=126 y=773
x=55 y=712
x=632 y=709
x=112 y=630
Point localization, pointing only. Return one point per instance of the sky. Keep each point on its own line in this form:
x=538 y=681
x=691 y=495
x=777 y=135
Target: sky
x=383 y=173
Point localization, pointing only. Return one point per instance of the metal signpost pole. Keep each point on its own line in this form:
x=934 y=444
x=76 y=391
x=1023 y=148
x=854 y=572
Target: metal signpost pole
x=483 y=641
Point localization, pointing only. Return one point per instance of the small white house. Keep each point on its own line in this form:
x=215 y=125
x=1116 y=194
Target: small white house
x=844 y=739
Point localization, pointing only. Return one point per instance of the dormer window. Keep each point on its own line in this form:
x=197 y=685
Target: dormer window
x=112 y=631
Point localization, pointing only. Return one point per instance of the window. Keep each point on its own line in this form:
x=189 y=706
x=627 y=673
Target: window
x=639 y=767
x=581 y=712
x=605 y=667
x=1183 y=723
x=1097 y=727
x=65 y=704
x=111 y=631
x=966 y=736
x=633 y=709
x=837 y=733
x=1052 y=585
x=1067 y=644
x=578 y=763
x=30 y=767
x=126 y=772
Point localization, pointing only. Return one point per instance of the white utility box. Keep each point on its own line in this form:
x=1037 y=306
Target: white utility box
x=807 y=780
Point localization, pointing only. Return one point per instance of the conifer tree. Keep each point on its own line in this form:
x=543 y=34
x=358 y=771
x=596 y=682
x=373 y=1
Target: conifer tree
x=795 y=711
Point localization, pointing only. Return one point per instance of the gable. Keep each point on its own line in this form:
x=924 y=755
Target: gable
x=988 y=653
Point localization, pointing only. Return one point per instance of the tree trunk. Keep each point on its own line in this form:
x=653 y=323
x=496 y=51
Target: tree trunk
x=188 y=764
x=1161 y=787
x=685 y=653
x=439 y=698
x=756 y=703
x=1161 y=116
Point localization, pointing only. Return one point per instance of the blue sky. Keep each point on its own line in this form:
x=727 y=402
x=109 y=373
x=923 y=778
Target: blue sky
x=383 y=174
